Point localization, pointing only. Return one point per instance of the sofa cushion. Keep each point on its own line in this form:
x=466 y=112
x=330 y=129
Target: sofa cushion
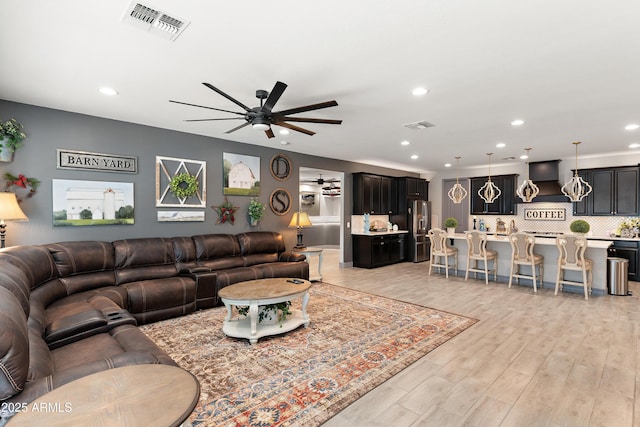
x=185 y=252
x=14 y=345
x=34 y=261
x=154 y=295
x=13 y=279
x=73 y=258
x=259 y=247
x=144 y=259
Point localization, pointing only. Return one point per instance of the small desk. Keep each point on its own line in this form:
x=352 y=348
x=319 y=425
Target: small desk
x=138 y=395
x=309 y=252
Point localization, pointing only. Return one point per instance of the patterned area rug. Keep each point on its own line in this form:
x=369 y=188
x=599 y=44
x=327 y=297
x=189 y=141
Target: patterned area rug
x=355 y=342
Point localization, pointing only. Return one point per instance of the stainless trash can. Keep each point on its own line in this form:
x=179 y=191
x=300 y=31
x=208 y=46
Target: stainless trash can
x=617 y=276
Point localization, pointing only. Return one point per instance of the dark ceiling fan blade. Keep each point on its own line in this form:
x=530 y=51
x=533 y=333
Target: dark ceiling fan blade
x=238 y=127
x=203 y=106
x=209 y=120
x=229 y=97
x=269 y=133
x=307 y=108
x=310 y=120
x=274 y=96
x=294 y=127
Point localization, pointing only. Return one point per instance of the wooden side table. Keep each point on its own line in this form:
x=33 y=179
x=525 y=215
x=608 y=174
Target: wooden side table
x=309 y=252
x=138 y=395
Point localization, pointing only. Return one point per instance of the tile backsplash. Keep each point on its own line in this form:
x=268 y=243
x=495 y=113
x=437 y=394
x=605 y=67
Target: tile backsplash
x=600 y=225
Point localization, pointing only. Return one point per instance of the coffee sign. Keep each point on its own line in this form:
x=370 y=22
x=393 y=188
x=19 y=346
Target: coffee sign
x=545 y=214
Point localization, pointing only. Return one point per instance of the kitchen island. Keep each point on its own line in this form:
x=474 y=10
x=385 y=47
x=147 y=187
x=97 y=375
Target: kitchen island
x=545 y=246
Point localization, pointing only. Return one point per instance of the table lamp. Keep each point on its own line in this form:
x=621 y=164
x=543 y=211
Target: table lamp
x=300 y=220
x=9 y=211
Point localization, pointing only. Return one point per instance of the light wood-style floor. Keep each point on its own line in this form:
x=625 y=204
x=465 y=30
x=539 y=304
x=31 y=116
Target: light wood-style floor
x=531 y=360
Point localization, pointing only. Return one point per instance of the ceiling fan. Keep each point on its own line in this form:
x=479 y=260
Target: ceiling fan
x=320 y=180
x=262 y=117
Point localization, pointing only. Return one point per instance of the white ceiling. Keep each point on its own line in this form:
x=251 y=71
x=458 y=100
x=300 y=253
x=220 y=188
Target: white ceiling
x=568 y=68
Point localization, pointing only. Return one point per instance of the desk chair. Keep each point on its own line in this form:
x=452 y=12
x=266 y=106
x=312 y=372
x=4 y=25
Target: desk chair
x=522 y=245
x=441 y=251
x=571 y=248
x=477 y=251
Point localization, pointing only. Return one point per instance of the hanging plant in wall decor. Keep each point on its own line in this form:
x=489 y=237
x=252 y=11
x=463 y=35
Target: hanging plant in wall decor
x=11 y=137
x=22 y=186
x=180 y=183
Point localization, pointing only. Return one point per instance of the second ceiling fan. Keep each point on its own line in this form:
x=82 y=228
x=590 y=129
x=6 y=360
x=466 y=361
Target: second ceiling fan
x=262 y=117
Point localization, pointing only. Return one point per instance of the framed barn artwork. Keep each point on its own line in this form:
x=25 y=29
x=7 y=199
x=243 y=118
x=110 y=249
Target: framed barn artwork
x=241 y=175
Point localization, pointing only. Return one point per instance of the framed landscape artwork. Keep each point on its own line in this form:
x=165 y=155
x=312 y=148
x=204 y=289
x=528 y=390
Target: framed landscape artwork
x=241 y=174
x=80 y=203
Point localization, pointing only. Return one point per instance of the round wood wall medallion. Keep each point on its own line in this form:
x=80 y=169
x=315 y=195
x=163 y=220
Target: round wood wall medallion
x=280 y=201
x=280 y=167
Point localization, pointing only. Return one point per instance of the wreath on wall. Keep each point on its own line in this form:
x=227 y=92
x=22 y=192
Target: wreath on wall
x=13 y=184
x=183 y=185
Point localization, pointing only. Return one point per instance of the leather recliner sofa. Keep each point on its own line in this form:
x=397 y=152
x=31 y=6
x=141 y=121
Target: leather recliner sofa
x=71 y=309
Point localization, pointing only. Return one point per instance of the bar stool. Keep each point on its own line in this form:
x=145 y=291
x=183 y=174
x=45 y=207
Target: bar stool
x=522 y=254
x=477 y=251
x=571 y=257
x=440 y=250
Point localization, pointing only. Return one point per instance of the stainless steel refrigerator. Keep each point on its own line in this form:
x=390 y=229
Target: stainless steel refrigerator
x=419 y=222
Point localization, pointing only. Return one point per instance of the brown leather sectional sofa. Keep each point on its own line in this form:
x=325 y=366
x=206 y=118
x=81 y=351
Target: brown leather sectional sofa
x=70 y=309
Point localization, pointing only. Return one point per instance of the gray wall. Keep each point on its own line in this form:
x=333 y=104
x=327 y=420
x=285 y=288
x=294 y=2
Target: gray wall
x=48 y=129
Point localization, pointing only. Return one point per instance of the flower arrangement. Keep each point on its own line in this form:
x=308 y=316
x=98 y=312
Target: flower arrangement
x=256 y=209
x=450 y=223
x=11 y=134
x=629 y=227
x=183 y=185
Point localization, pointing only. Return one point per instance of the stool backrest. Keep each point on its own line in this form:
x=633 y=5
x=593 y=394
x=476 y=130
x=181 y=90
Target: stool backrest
x=438 y=240
x=476 y=243
x=522 y=246
x=571 y=248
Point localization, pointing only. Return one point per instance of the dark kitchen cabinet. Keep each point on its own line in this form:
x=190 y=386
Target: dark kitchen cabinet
x=614 y=192
x=411 y=189
x=629 y=250
x=374 y=194
x=376 y=251
x=504 y=205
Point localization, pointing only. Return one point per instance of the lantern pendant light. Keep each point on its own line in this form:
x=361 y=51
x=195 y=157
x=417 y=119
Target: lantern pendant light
x=489 y=192
x=576 y=188
x=528 y=190
x=457 y=193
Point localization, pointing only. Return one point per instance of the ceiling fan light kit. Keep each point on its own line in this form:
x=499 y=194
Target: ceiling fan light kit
x=528 y=190
x=457 y=193
x=576 y=188
x=262 y=118
x=489 y=192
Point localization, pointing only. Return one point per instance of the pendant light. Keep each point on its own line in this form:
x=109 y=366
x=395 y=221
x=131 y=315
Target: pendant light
x=576 y=188
x=457 y=193
x=489 y=192
x=528 y=190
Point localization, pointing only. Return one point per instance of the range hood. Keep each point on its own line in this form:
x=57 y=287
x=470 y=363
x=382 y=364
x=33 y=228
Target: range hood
x=546 y=175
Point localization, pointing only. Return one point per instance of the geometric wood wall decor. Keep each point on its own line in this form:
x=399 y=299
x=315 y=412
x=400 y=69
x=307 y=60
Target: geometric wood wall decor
x=182 y=172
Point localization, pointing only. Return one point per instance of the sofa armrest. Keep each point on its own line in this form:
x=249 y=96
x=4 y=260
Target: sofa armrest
x=194 y=270
x=291 y=257
x=74 y=327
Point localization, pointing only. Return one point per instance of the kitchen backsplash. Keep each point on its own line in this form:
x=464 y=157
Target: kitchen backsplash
x=600 y=225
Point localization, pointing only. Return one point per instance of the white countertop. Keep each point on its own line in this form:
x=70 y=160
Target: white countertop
x=542 y=241
x=379 y=233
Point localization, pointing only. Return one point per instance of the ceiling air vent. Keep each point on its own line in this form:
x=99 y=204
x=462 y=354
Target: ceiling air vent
x=154 y=21
x=419 y=125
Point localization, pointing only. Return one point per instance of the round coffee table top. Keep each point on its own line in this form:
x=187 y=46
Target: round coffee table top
x=138 y=395
x=264 y=289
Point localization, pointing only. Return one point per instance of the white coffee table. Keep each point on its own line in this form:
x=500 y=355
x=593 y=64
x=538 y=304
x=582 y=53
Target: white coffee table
x=255 y=293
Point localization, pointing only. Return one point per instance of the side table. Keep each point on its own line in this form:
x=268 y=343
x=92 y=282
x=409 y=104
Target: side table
x=137 y=395
x=309 y=252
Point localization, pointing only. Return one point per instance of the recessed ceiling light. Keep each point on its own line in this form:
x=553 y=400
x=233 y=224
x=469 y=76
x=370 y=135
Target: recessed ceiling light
x=419 y=91
x=524 y=157
x=501 y=145
x=517 y=122
x=632 y=126
x=284 y=142
x=447 y=165
x=634 y=145
x=108 y=91
x=414 y=156
x=405 y=143
x=284 y=132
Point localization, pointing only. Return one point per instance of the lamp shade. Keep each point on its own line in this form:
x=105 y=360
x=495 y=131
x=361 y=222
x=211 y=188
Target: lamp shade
x=9 y=208
x=300 y=219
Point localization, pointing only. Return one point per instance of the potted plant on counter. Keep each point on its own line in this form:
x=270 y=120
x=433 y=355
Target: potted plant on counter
x=256 y=211
x=11 y=137
x=580 y=226
x=451 y=224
